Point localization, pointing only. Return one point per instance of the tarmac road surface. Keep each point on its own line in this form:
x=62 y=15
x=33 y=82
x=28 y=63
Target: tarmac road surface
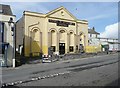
x=92 y=71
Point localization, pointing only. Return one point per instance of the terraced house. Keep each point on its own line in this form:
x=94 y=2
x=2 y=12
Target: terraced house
x=57 y=30
x=6 y=35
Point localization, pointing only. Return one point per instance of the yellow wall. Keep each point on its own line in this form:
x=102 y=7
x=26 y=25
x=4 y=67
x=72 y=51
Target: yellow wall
x=93 y=49
x=35 y=21
x=31 y=23
x=83 y=28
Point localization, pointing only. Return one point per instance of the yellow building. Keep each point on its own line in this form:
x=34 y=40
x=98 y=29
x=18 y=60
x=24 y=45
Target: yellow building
x=58 y=29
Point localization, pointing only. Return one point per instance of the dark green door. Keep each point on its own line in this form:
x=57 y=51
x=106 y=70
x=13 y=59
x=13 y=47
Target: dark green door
x=61 y=48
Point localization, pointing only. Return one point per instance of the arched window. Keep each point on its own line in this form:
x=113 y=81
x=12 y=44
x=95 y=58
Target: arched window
x=53 y=37
x=35 y=35
x=62 y=35
x=36 y=41
x=53 y=40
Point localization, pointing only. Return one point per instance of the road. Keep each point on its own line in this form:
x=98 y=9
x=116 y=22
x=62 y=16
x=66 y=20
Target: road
x=92 y=71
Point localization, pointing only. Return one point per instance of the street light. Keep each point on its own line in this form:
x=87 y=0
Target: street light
x=12 y=25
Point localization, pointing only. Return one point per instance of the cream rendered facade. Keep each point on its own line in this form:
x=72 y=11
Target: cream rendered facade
x=58 y=28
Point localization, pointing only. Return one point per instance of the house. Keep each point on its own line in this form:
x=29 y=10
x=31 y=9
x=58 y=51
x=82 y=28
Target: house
x=57 y=30
x=94 y=44
x=93 y=37
x=112 y=43
x=106 y=44
x=6 y=38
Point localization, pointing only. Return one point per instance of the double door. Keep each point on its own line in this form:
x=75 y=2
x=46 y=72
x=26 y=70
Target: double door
x=61 y=48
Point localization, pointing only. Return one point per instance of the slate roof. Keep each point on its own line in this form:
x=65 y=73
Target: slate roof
x=5 y=10
x=91 y=31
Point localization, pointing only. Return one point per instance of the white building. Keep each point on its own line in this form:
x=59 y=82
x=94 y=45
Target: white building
x=111 y=42
x=93 y=37
x=6 y=35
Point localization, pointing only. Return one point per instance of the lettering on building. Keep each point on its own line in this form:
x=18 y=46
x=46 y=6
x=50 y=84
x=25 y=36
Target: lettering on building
x=61 y=23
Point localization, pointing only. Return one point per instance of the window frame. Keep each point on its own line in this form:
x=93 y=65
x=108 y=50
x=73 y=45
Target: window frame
x=53 y=48
x=71 y=48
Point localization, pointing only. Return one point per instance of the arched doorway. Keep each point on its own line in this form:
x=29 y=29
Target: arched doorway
x=71 y=41
x=82 y=42
x=53 y=40
x=36 y=42
x=62 y=40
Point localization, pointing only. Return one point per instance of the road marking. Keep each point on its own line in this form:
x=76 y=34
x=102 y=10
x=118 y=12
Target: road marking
x=34 y=79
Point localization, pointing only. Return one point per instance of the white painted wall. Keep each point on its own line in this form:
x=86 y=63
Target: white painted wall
x=93 y=41
x=111 y=46
x=8 y=38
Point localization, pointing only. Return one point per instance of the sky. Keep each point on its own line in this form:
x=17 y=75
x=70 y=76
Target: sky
x=101 y=15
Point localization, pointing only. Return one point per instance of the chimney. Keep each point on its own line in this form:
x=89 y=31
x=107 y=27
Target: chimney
x=93 y=28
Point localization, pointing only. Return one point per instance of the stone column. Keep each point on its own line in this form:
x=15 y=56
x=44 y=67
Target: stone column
x=40 y=42
x=74 y=42
x=57 y=42
x=45 y=39
x=68 y=42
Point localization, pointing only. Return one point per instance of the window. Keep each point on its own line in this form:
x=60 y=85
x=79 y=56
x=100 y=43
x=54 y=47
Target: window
x=62 y=31
x=73 y=24
x=1 y=11
x=71 y=32
x=96 y=36
x=80 y=39
x=53 y=48
x=76 y=47
x=71 y=48
x=88 y=41
x=62 y=13
x=90 y=35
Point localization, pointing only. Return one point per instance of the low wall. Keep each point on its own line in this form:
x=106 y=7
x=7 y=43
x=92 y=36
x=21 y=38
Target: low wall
x=93 y=49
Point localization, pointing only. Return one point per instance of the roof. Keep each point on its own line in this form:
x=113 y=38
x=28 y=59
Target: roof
x=5 y=9
x=92 y=31
x=82 y=21
x=114 y=42
x=108 y=38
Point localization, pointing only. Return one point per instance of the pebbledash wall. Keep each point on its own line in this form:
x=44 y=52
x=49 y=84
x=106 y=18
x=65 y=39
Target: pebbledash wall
x=58 y=29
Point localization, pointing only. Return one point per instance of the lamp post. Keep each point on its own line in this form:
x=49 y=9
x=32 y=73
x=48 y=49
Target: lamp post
x=12 y=25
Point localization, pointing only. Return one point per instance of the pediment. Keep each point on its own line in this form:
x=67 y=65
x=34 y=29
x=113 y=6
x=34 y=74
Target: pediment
x=61 y=13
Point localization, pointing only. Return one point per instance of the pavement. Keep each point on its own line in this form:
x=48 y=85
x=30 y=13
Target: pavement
x=62 y=58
